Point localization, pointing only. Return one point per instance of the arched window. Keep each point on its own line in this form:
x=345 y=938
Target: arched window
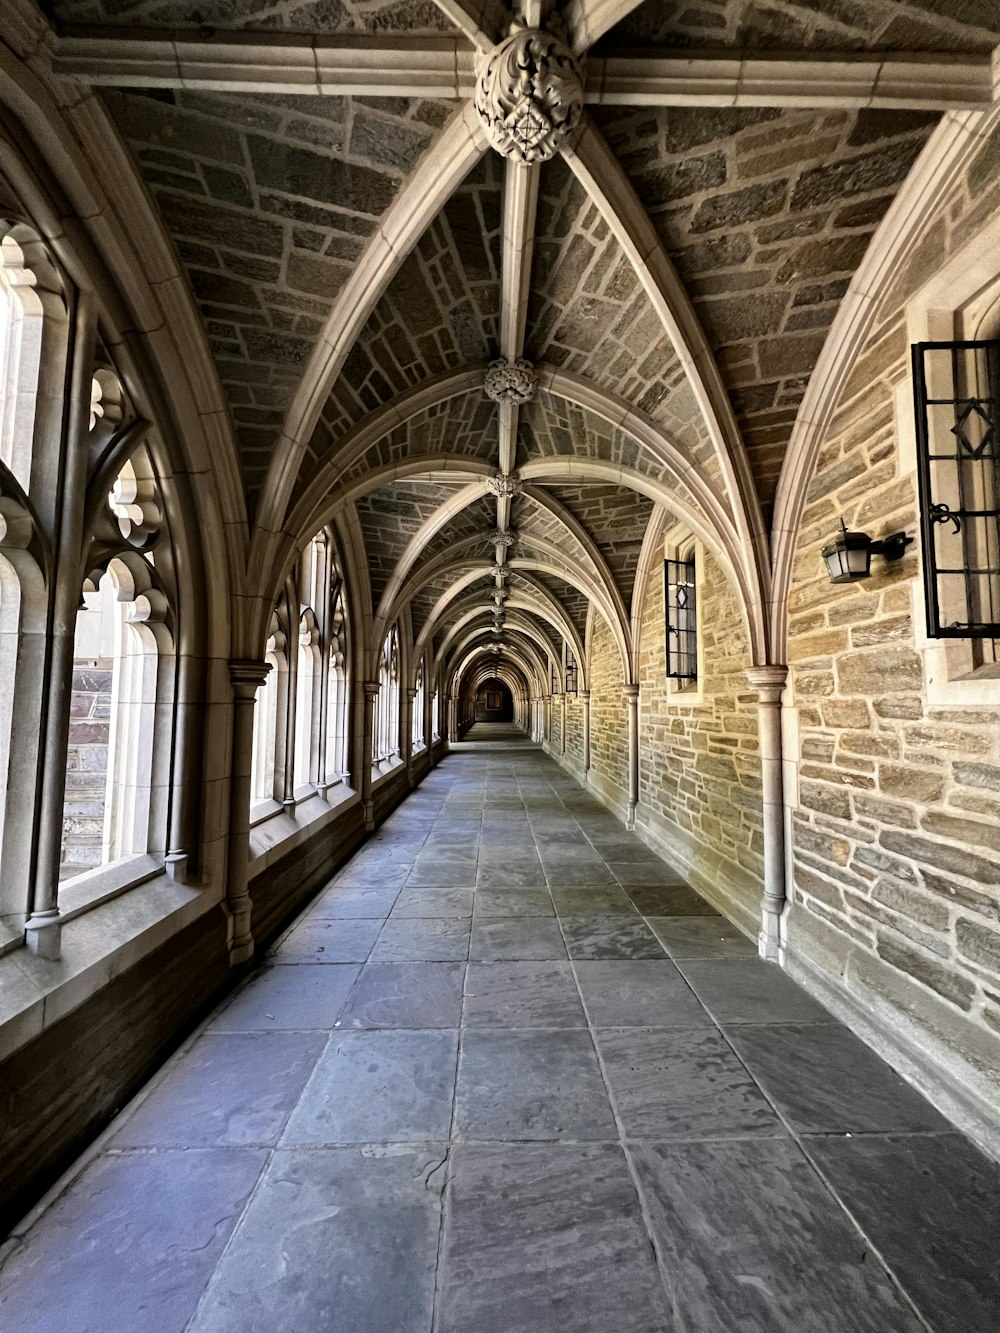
x=21 y=318
x=115 y=798
x=307 y=680
x=417 y=719
x=265 y=718
x=386 y=721
x=337 y=703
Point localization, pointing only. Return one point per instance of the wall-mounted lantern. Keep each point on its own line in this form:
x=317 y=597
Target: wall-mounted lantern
x=848 y=557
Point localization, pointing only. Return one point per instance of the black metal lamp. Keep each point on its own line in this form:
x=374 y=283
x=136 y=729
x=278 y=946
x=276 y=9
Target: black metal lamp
x=849 y=556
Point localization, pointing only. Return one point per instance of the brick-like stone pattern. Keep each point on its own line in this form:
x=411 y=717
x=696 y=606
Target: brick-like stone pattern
x=896 y=837
x=574 y=729
x=555 y=724
x=766 y=214
x=617 y=519
x=297 y=15
x=699 y=762
x=441 y=310
x=588 y=313
x=390 y=517
x=86 y=766
x=572 y=601
x=461 y=427
x=608 y=710
x=904 y=25
x=270 y=201
x=550 y=426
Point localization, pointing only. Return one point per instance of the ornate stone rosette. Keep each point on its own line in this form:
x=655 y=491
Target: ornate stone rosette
x=504 y=487
x=510 y=381
x=502 y=537
x=529 y=95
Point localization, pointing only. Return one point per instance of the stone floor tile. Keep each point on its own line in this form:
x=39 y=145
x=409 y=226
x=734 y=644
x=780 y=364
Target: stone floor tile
x=514 y=902
x=522 y=995
x=443 y=875
x=531 y=1085
x=306 y=996
x=509 y=939
x=407 y=995
x=434 y=902
x=423 y=940
x=388 y=1086
x=337 y=1238
x=578 y=874
x=682 y=1084
x=652 y=872
x=701 y=937
x=341 y=903
x=931 y=1206
x=668 y=900
x=647 y=993
x=748 y=990
x=569 y=1254
x=751 y=1240
x=513 y=875
x=130 y=1245
x=228 y=1090
x=824 y=1080
x=609 y=937
x=389 y=876
x=325 y=941
x=593 y=902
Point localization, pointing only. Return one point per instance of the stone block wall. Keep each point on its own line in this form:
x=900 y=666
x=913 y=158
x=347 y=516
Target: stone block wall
x=608 y=715
x=699 y=768
x=897 y=831
x=555 y=724
x=574 y=730
x=86 y=766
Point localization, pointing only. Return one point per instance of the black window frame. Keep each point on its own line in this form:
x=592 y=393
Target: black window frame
x=681 y=616
x=974 y=524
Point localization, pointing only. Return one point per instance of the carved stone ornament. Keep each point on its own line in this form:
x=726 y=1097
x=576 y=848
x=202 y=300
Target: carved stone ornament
x=504 y=487
x=502 y=537
x=529 y=95
x=510 y=381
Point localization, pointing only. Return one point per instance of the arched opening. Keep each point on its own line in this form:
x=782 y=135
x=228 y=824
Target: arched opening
x=494 y=702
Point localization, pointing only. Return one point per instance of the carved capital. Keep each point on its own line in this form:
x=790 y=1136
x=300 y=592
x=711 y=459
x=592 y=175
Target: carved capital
x=504 y=487
x=510 y=381
x=247 y=676
x=768 y=681
x=529 y=95
x=371 y=689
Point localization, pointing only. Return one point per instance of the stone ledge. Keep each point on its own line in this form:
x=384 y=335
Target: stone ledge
x=96 y=947
x=279 y=833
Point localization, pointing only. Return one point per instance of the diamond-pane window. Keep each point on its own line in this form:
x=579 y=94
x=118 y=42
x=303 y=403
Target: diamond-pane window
x=682 y=620
x=957 y=389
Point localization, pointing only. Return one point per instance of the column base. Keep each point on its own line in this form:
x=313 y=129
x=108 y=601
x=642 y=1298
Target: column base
x=43 y=935
x=369 y=809
x=769 y=940
x=176 y=864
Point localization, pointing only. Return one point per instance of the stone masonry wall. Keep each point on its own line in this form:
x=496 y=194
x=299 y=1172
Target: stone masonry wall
x=574 y=730
x=699 y=770
x=86 y=766
x=608 y=715
x=897 y=832
x=555 y=724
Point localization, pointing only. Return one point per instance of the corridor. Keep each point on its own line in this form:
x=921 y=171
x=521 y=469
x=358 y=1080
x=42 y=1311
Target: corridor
x=507 y=1072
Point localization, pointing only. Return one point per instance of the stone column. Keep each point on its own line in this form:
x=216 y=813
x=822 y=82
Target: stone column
x=408 y=697
x=585 y=700
x=246 y=678
x=562 y=727
x=371 y=689
x=43 y=928
x=769 y=682
x=631 y=693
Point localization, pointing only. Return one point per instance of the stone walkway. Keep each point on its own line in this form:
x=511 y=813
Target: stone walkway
x=508 y=1073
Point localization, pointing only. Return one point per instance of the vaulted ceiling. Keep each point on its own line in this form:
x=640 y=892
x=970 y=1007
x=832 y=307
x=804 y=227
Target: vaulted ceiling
x=359 y=253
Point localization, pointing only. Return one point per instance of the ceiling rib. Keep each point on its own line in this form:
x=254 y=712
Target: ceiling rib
x=373 y=65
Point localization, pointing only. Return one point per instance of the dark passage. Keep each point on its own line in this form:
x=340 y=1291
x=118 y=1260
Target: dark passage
x=494 y=702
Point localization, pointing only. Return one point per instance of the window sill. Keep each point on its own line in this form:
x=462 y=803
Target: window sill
x=94 y=887
x=275 y=830
x=97 y=945
x=385 y=769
